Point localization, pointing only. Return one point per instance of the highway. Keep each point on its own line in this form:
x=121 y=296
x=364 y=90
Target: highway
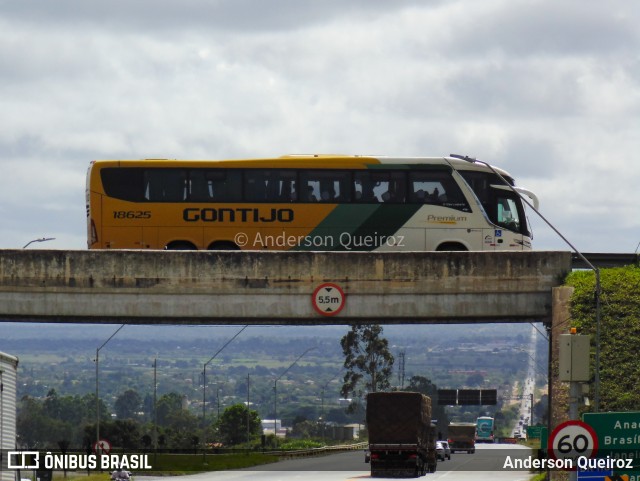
x=528 y=390
x=487 y=464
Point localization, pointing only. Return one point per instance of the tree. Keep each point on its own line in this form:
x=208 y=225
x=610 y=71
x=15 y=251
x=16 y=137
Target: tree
x=367 y=359
x=128 y=404
x=168 y=404
x=181 y=426
x=232 y=424
x=475 y=379
x=424 y=385
x=305 y=429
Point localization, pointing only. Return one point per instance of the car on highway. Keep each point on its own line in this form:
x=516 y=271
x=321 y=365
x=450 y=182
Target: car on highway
x=440 y=454
x=447 y=449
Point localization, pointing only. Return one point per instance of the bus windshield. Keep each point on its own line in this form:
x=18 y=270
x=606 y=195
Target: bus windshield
x=503 y=207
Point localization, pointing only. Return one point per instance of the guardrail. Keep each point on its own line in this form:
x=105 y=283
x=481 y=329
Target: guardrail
x=603 y=259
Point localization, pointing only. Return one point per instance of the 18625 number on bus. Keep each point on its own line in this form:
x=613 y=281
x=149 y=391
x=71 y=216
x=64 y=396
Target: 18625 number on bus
x=131 y=214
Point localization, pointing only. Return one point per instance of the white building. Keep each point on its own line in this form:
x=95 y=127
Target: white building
x=269 y=424
x=8 y=383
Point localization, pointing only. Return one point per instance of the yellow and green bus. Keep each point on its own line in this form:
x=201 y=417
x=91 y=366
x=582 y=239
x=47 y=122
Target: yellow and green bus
x=305 y=202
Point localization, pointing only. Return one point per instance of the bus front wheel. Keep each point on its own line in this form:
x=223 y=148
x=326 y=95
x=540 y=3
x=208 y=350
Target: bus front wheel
x=223 y=246
x=451 y=247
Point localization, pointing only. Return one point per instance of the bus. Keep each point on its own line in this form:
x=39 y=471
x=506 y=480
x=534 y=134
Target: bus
x=484 y=429
x=305 y=202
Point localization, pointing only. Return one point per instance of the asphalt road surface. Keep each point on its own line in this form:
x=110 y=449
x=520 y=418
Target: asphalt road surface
x=487 y=464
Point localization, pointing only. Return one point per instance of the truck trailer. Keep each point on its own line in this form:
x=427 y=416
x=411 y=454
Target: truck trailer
x=462 y=437
x=402 y=438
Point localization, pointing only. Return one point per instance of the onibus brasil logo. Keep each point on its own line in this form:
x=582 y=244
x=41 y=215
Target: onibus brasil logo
x=49 y=460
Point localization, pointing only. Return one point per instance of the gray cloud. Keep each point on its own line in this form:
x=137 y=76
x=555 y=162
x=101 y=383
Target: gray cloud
x=233 y=15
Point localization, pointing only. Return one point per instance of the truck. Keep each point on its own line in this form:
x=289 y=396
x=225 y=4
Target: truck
x=484 y=429
x=462 y=437
x=402 y=438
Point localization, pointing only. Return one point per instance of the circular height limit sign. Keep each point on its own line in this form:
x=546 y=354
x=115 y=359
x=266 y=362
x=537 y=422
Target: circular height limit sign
x=328 y=299
x=573 y=439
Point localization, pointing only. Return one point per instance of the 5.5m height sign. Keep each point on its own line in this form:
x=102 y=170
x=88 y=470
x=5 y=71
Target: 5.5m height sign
x=328 y=299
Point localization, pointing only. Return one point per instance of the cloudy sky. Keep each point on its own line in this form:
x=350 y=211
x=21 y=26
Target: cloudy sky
x=548 y=90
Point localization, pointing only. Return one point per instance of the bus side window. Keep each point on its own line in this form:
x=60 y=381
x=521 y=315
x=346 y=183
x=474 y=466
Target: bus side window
x=153 y=186
x=254 y=190
x=165 y=185
x=175 y=185
x=309 y=195
x=225 y=185
x=330 y=186
x=436 y=187
x=363 y=188
x=285 y=181
x=200 y=187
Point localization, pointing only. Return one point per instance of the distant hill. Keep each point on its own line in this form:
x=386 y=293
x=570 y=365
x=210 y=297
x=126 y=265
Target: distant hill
x=19 y=331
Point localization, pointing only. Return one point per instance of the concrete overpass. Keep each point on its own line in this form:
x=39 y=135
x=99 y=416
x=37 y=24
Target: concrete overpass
x=231 y=287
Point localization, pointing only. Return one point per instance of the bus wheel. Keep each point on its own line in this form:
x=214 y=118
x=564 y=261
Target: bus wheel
x=181 y=246
x=451 y=247
x=223 y=246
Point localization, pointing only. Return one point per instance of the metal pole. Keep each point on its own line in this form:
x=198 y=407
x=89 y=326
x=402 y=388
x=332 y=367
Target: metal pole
x=97 y=403
x=322 y=413
x=155 y=406
x=97 y=388
x=596 y=382
x=248 y=409
x=204 y=413
x=531 y=418
x=204 y=393
x=275 y=412
x=218 y=400
x=275 y=393
x=549 y=386
x=43 y=239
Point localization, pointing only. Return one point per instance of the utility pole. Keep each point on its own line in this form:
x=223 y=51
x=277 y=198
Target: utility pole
x=401 y=357
x=248 y=410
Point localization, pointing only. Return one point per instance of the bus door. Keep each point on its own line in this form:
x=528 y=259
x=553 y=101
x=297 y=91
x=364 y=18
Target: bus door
x=510 y=231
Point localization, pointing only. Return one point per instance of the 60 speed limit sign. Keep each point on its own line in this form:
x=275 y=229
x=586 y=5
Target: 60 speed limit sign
x=573 y=439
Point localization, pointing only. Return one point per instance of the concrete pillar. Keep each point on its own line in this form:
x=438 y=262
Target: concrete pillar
x=558 y=391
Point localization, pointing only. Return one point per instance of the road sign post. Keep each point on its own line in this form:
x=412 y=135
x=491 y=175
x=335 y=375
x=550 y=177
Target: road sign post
x=102 y=446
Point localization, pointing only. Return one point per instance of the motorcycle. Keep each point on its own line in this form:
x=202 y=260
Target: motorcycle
x=121 y=476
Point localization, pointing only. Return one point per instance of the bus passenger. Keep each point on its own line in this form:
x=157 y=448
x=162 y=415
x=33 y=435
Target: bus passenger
x=310 y=197
x=328 y=195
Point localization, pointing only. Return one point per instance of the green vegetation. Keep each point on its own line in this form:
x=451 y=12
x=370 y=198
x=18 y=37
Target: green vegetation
x=619 y=331
x=539 y=477
x=368 y=361
x=189 y=463
x=56 y=393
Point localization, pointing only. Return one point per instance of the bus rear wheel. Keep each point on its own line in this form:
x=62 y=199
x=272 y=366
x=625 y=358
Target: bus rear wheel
x=181 y=246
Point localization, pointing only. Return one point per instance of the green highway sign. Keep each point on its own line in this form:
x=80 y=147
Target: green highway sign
x=618 y=436
x=535 y=432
